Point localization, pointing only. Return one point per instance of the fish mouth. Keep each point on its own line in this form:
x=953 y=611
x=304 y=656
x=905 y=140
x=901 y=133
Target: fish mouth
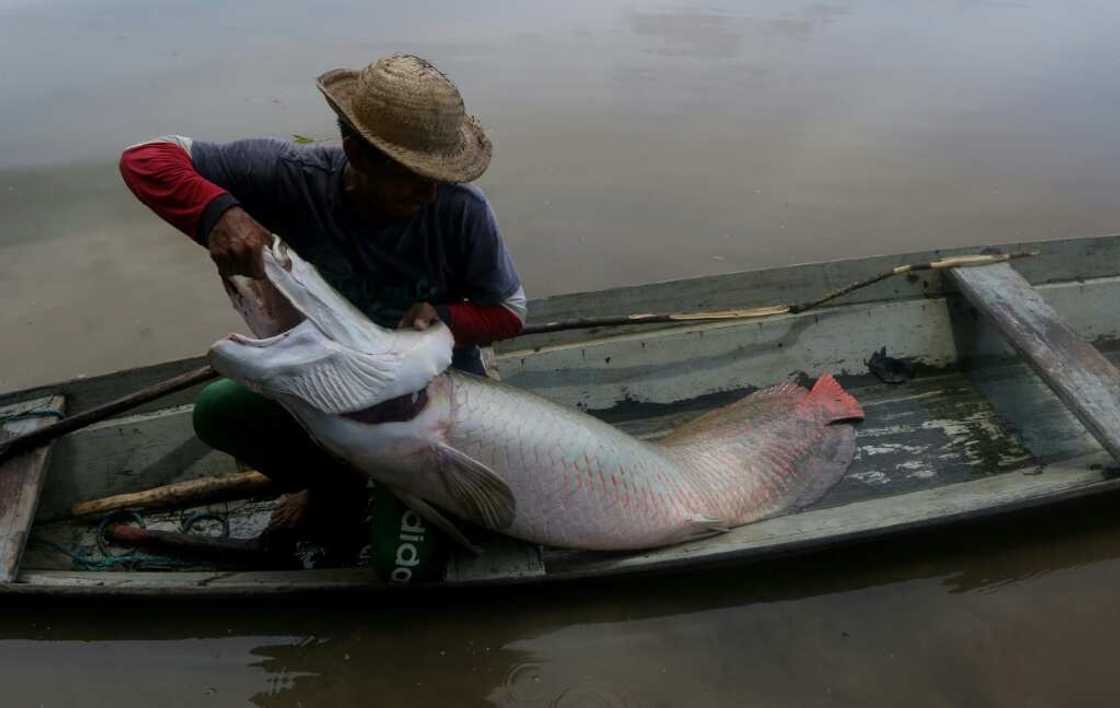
x=312 y=344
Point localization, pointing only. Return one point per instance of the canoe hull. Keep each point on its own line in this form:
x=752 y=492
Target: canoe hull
x=975 y=433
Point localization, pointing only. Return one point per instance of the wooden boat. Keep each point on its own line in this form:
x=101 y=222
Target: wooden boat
x=1006 y=410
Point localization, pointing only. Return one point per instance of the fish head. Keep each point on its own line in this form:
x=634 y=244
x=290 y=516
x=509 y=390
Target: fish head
x=314 y=346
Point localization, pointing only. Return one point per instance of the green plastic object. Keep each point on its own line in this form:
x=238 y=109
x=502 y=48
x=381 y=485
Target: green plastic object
x=404 y=549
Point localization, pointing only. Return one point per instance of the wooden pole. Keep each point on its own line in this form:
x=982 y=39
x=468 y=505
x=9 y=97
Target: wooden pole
x=180 y=494
x=108 y=410
x=771 y=310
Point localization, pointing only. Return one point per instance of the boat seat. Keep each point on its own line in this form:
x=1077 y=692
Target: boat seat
x=1085 y=381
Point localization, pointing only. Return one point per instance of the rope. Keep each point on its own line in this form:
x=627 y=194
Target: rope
x=131 y=560
x=188 y=522
x=103 y=523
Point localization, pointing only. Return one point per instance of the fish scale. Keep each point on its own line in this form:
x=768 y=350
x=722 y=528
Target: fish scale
x=580 y=482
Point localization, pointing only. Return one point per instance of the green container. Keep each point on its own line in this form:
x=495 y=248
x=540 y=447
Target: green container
x=403 y=547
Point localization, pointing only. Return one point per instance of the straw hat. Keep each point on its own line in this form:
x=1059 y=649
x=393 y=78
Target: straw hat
x=413 y=113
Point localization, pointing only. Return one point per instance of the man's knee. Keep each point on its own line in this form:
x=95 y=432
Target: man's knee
x=215 y=411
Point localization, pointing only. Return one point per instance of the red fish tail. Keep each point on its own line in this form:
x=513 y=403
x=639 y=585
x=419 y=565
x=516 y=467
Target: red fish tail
x=838 y=405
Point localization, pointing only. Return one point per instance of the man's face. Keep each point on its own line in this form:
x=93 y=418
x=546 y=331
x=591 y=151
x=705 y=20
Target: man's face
x=387 y=186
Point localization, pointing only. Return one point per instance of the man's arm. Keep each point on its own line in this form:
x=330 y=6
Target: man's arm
x=162 y=175
x=469 y=322
x=472 y=323
x=495 y=306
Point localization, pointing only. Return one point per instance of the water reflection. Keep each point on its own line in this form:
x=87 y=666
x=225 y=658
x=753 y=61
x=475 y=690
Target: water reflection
x=860 y=626
x=949 y=618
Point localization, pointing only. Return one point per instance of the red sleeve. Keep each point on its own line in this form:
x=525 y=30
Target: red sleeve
x=481 y=324
x=162 y=176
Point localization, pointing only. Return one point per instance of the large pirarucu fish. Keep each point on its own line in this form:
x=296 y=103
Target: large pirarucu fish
x=513 y=461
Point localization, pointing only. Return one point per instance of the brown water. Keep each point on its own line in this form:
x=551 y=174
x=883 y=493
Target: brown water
x=634 y=142
x=1017 y=613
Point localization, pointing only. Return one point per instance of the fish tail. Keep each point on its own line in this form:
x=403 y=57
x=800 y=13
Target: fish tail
x=828 y=396
x=826 y=464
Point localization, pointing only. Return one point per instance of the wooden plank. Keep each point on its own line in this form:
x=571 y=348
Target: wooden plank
x=193 y=583
x=503 y=558
x=1080 y=375
x=21 y=477
x=1028 y=406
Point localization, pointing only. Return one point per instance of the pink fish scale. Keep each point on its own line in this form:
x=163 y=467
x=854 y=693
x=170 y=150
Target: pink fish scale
x=579 y=482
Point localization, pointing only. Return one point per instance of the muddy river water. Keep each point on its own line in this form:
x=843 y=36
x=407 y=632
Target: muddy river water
x=634 y=141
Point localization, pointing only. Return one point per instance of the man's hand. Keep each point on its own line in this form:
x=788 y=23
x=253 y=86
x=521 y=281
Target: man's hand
x=236 y=242
x=420 y=316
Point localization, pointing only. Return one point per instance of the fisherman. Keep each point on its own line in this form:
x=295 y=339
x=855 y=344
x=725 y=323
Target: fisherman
x=388 y=218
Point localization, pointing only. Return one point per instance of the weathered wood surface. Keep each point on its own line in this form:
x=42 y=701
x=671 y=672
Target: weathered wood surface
x=1077 y=372
x=1058 y=260
x=504 y=558
x=1029 y=408
x=193 y=583
x=22 y=477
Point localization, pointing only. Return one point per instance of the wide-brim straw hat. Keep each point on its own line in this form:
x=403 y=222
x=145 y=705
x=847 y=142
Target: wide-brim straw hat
x=413 y=113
